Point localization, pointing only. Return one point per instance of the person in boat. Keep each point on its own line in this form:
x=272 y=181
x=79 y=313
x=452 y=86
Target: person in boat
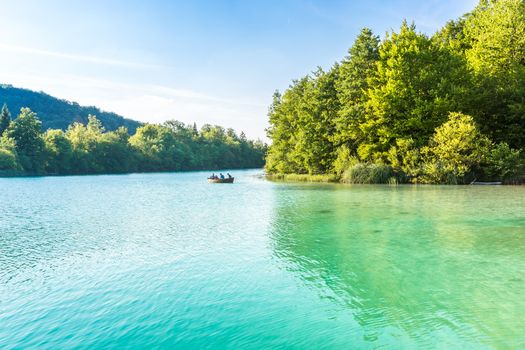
x=213 y=176
x=229 y=176
x=222 y=176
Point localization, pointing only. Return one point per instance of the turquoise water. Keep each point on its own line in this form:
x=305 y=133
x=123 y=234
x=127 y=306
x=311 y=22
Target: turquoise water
x=169 y=261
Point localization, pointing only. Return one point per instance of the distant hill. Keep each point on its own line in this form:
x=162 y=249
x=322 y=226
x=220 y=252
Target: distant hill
x=56 y=113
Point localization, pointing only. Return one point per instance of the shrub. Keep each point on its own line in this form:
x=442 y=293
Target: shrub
x=344 y=160
x=503 y=162
x=8 y=160
x=362 y=173
x=406 y=158
x=456 y=149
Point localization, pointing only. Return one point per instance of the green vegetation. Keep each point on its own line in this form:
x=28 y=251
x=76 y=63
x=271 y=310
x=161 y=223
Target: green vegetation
x=449 y=108
x=90 y=149
x=59 y=114
x=304 y=177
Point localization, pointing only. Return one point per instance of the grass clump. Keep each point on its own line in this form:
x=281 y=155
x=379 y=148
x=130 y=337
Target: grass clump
x=304 y=177
x=364 y=173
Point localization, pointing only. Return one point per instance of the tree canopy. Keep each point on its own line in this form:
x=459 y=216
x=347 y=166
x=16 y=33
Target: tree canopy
x=57 y=113
x=409 y=100
x=90 y=149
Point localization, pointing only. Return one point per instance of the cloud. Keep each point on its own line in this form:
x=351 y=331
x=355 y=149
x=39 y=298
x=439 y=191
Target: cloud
x=75 y=57
x=190 y=94
x=151 y=103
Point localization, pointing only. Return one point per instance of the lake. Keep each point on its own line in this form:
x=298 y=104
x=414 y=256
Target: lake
x=169 y=261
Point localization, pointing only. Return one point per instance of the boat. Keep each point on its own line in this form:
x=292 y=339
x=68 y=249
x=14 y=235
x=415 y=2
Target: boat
x=227 y=180
x=494 y=183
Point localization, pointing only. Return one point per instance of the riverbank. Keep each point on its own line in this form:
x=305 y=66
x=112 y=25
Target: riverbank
x=333 y=178
x=303 y=177
x=19 y=173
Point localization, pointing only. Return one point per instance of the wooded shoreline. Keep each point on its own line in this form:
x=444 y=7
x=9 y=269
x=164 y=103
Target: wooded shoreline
x=26 y=150
x=412 y=108
x=334 y=179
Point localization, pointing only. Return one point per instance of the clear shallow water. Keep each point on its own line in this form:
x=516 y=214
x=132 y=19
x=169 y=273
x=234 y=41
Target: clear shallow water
x=167 y=260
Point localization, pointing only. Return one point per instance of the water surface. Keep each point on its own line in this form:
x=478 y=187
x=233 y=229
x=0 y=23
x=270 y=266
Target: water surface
x=167 y=260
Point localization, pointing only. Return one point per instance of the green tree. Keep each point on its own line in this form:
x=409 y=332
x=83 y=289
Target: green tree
x=59 y=152
x=452 y=36
x=317 y=111
x=496 y=32
x=416 y=86
x=503 y=163
x=8 y=160
x=5 y=119
x=25 y=131
x=84 y=141
x=406 y=158
x=281 y=129
x=302 y=125
x=355 y=73
x=456 y=149
x=156 y=146
x=114 y=153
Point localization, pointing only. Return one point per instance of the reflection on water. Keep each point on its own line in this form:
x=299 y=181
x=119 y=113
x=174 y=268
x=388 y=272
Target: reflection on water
x=421 y=266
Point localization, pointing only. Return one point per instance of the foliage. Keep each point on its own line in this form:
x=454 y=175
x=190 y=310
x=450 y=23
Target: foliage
x=388 y=101
x=413 y=91
x=303 y=125
x=304 y=177
x=25 y=131
x=5 y=119
x=58 y=152
x=344 y=160
x=496 y=33
x=503 y=162
x=363 y=173
x=59 y=114
x=88 y=149
x=406 y=158
x=355 y=74
x=8 y=160
x=456 y=149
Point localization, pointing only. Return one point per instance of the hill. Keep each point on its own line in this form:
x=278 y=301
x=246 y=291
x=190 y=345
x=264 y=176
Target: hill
x=56 y=113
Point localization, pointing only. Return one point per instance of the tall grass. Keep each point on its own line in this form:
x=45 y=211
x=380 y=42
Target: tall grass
x=304 y=177
x=362 y=173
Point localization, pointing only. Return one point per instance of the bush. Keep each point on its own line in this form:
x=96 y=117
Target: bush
x=503 y=162
x=8 y=160
x=344 y=160
x=362 y=173
x=456 y=149
x=406 y=158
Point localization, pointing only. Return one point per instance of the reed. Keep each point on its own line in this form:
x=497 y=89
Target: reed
x=363 y=173
x=304 y=177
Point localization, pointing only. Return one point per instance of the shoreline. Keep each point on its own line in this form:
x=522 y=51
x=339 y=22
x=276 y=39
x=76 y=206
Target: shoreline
x=335 y=179
x=6 y=175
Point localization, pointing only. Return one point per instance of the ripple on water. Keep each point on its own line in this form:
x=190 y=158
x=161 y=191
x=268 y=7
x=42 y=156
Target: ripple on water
x=159 y=260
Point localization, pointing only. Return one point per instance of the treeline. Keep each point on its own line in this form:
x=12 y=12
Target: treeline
x=55 y=113
x=89 y=149
x=448 y=108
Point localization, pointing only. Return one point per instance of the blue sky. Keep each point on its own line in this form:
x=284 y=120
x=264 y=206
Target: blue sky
x=205 y=61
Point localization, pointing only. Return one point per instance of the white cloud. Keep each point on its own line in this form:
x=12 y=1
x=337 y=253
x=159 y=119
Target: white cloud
x=151 y=103
x=75 y=57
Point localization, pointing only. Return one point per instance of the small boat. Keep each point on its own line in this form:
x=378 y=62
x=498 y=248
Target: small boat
x=228 y=180
x=494 y=183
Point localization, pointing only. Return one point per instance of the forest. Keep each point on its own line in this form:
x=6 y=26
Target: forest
x=89 y=149
x=411 y=108
x=55 y=113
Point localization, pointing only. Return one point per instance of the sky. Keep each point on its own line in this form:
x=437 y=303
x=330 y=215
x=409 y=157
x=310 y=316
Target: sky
x=213 y=61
